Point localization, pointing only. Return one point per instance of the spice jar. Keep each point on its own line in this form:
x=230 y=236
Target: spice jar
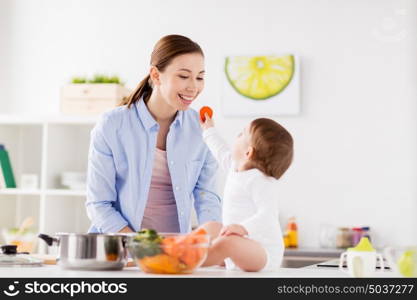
x=343 y=237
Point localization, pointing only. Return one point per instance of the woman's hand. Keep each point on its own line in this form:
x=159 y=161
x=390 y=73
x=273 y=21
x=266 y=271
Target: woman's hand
x=208 y=122
x=233 y=229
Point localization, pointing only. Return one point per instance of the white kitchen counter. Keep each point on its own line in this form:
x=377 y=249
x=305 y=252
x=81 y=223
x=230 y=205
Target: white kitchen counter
x=56 y=271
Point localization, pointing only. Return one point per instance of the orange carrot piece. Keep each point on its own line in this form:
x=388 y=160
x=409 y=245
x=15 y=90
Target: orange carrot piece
x=198 y=231
x=205 y=110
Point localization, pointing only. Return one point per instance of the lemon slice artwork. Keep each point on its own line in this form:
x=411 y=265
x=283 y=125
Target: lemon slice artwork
x=259 y=77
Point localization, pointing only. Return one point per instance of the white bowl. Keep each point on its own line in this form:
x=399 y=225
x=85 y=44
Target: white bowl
x=73 y=176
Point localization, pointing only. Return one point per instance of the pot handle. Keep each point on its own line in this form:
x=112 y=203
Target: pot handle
x=48 y=239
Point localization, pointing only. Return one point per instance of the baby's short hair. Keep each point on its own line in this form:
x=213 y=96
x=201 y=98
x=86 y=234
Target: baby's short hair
x=273 y=147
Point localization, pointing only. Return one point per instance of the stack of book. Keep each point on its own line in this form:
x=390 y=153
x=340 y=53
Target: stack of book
x=6 y=171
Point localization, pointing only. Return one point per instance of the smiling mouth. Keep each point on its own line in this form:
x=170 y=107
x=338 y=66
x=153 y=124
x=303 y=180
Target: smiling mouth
x=186 y=98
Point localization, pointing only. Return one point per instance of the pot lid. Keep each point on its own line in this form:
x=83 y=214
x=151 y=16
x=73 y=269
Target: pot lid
x=11 y=258
x=88 y=234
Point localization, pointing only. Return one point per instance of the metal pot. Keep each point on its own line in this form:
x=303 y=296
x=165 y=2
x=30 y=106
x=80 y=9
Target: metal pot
x=89 y=251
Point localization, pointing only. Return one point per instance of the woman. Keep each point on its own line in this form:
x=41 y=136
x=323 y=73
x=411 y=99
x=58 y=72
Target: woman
x=148 y=163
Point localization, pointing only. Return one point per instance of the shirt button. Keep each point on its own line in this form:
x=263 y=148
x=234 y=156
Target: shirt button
x=177 y=188
x=172 y=162
x=181 y=213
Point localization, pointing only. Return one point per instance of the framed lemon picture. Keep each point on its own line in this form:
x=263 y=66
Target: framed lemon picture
x=261 y=85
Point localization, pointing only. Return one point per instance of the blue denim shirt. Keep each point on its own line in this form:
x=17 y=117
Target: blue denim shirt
x=120 y=167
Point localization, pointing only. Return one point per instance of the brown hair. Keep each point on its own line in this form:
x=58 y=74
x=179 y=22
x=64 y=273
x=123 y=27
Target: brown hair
x=272 y=147
x=165 y=50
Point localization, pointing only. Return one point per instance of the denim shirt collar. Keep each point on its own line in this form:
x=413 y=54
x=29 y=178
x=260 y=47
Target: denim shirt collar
x=147 y=119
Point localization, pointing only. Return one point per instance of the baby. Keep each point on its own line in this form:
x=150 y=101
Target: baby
x=250 y=237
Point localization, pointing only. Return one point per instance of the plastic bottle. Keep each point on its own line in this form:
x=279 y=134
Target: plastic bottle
x=292 y=232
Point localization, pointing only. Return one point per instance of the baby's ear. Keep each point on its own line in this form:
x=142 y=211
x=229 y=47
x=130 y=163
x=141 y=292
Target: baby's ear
x=249 y=152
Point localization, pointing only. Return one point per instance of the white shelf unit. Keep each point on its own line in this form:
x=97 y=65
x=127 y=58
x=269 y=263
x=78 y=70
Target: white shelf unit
x=46 y=146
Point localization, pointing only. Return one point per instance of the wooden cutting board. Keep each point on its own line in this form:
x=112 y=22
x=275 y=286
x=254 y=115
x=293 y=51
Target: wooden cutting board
x=49 y=259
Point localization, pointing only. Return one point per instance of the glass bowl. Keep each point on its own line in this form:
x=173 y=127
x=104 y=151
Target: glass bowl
x=174 y=254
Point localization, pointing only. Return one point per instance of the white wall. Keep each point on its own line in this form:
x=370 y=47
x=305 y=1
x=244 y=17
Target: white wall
x=356 y=137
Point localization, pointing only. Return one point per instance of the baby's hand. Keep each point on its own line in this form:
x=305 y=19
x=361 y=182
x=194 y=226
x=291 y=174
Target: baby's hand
x=208 y=123
x=233 y=229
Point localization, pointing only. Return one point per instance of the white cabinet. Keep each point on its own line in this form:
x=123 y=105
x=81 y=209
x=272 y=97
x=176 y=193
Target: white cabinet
x=46 y=146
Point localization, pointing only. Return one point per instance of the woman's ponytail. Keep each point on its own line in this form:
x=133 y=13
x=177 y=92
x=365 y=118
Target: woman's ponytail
x=144 y=89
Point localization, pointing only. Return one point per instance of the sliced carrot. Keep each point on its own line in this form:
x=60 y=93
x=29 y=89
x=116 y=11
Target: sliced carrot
x=198 y=236
x=198 y=231
x=184 y=248
x=190 y=257
x=197 y=257
x=205 y=110
x=161 y=263
x=172 y=247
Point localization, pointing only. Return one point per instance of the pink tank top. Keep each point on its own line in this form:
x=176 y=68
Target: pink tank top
x=161 y=208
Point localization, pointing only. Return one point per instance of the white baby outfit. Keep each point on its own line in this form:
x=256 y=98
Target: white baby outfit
x=250 y=199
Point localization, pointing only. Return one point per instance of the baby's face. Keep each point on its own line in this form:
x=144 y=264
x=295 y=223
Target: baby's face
x=241 y=146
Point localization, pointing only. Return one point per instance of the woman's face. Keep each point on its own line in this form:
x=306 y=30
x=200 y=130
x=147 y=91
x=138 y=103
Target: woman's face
x=182 y=80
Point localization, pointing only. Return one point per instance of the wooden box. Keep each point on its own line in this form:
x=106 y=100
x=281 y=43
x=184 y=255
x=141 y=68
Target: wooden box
x=91 y=99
